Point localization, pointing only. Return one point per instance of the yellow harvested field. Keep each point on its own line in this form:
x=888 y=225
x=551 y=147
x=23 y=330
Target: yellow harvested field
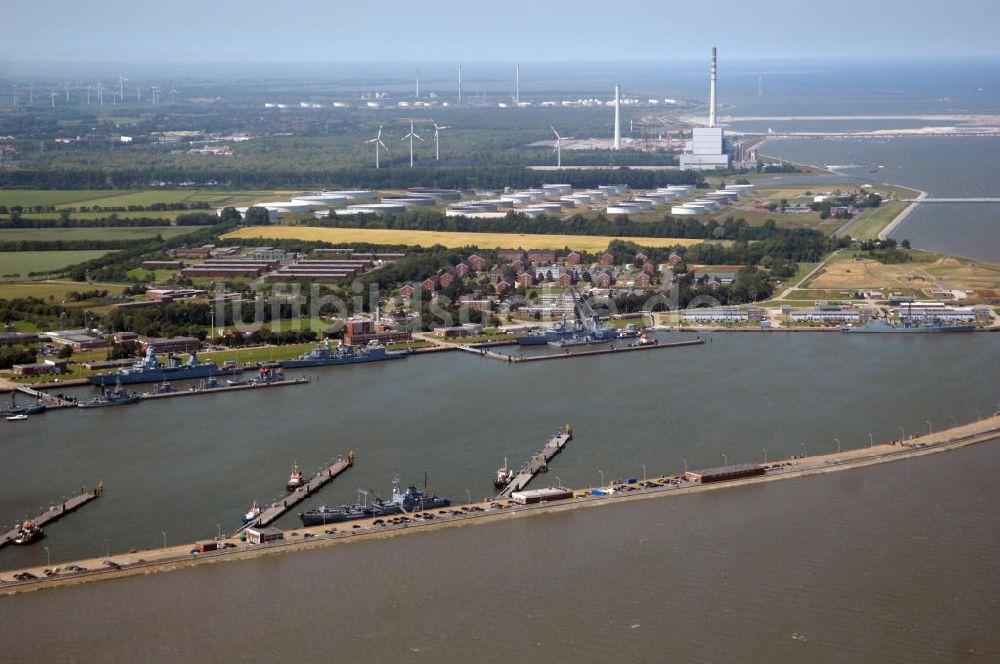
x=447 y=239
x=947 y=271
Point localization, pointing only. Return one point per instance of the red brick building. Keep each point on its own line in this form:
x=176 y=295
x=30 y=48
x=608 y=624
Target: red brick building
x=607 y=259
x=573 y=258
x=525 y=279
x=477 y=262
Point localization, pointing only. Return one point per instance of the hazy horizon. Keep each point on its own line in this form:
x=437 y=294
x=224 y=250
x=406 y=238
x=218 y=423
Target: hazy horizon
x=449 y=31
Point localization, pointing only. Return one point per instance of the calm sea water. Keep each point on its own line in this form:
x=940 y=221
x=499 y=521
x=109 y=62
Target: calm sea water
x=946 y=167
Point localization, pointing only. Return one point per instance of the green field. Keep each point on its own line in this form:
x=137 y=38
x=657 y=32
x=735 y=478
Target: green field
x=55 y=289
x=54 y=234
x=868 y=226
x=123 y=198
x=23 y=262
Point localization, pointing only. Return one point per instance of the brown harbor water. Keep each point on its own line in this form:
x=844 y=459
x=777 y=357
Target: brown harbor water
x=893 y=563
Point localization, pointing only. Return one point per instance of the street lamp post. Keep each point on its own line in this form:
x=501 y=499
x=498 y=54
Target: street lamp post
x=48 y=557
x=871 y=439
x=643 y=473
x=725 y=459
x=930 y=427
x=902 y=434
x=468 y=495
x=219 y=527
x=838 y=445
x=764 y=449
x=805 y=451
x=602 y=477
x=164 y=533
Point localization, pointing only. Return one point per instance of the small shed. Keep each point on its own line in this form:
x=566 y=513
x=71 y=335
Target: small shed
x=264 y=535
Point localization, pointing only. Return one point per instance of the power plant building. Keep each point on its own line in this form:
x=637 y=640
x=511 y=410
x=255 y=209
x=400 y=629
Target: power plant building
x=707 y=148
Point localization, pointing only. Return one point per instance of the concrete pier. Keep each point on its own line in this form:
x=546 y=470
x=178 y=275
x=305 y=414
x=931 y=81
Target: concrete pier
x=316 y=482
x=223 y=388
x=56 y=512
x=538 y=463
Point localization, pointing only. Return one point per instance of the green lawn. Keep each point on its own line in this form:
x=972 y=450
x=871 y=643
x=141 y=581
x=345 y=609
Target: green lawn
x=264 y=354
x=23 y=262
x=52 y=234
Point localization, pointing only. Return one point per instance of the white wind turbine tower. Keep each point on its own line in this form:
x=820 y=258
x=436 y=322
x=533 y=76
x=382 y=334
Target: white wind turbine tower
x=66 y=85
x=52 y=97
x=14 y=89
x=155 y=89
x=417 y=91
x=138 y=95
x=411 y=136
x=377 y=142
x=460 y=85
x=121 y=87
x=517 y=84
x=100 y=93
x=173 y=94
x=559 y=140
x=437 y=140
x=88 y=94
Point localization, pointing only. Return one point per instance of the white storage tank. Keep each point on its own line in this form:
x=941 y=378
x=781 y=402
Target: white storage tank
x=353 y=194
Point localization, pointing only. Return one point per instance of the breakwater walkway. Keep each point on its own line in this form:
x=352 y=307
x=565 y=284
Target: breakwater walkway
x=491 y=511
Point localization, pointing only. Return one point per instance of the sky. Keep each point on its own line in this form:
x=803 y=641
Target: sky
x=257 y=31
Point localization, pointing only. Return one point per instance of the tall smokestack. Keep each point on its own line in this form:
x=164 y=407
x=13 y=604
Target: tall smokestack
x=618 y=117
x=711 y=94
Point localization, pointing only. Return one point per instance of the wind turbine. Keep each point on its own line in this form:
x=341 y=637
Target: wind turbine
x=437 y=140
x=88 y=94
x=31 y=93
x=155 y=90
x=377 y=142
x=100 y=93
x=52 y=97
x=418 y=83
x=173 y=94
x=411 y=136
x=66 y=85
x=559 y=140
x=121 y=86
x=138 y=95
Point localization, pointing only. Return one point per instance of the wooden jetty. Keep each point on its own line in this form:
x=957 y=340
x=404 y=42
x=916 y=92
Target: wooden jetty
x=57 y=512
x=539 y=462
x=223 y=388
x=278 y=508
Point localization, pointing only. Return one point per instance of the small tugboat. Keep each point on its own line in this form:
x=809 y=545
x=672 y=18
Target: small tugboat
x=504 y=475
x=252 y=513
x=645 y=341
x=295 y=479
x=27 y=533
